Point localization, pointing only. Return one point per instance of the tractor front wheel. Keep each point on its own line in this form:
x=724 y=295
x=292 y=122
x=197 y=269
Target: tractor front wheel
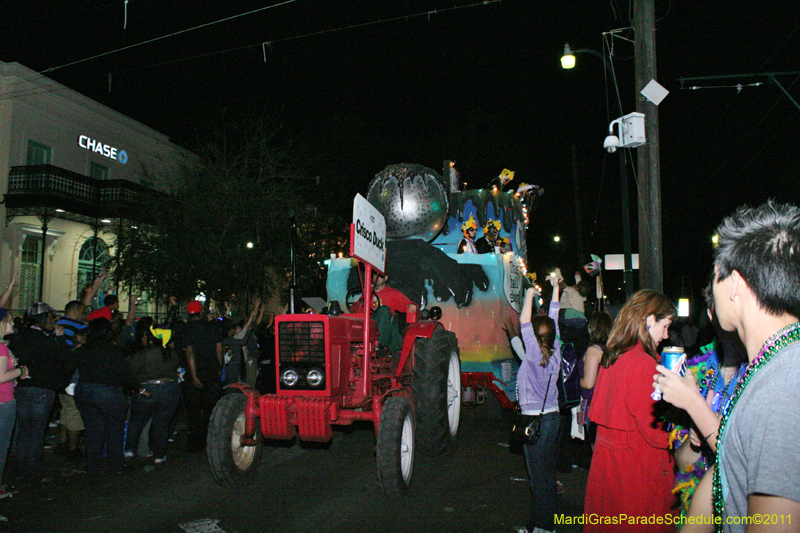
x=436 y=385
x=231 y=463
x=396 y=446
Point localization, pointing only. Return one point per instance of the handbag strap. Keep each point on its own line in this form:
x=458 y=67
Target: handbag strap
x=545 y=393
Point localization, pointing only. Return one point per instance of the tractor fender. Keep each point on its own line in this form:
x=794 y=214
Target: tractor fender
x=244 y=388
x=423 y=329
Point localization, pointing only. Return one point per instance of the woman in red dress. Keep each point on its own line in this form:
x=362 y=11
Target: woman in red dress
x=631 y=476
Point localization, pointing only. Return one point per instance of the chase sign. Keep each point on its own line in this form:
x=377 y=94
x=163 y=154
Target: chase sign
x=93 y=145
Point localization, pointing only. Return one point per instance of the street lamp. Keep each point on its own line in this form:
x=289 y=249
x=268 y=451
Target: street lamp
x=568 y=59
x=568 y=62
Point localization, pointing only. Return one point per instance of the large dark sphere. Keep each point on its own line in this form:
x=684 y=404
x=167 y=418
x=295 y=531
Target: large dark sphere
x=413 y=200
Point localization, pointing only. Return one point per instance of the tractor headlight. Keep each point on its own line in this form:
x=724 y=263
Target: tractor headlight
x=315 y=377
x=290 y=377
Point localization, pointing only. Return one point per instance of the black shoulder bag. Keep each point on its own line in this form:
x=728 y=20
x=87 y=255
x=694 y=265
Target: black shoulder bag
x=527 y=428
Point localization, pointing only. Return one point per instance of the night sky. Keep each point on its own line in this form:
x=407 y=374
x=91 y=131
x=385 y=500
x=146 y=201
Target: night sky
x=358 y=85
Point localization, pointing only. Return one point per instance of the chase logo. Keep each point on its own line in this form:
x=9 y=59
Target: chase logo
x=105 y=150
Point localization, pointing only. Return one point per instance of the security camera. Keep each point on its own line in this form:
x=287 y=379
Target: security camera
x=631 y=132
x=611 y=143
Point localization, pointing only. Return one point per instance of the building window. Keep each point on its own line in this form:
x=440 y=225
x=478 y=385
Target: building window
x=92 y=257
x=38 y=154
x=98 y=172
x=30 y=266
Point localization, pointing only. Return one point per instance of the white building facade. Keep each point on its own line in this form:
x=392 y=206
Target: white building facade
x=72 y=172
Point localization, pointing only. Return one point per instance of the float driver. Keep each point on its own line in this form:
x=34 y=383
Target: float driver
x=395 y=300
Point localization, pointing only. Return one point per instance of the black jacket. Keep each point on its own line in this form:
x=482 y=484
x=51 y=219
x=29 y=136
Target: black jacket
x=45 y=356
x=104 y=364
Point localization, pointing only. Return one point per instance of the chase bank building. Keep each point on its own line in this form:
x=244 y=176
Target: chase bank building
x=72 y=173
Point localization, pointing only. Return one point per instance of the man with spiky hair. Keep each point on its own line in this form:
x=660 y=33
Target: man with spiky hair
x=757 y=294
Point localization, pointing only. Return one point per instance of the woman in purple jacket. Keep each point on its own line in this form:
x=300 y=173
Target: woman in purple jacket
x=537 y=383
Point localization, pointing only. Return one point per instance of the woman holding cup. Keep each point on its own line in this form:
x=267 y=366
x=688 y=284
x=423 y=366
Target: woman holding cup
x=632 y=468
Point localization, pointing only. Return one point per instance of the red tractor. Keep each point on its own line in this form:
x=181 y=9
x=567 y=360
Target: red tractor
x=330 y=371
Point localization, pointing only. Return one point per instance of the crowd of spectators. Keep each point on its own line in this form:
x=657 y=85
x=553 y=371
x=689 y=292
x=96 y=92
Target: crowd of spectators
x=681 y=450
x=114 y=383
x=711 y=448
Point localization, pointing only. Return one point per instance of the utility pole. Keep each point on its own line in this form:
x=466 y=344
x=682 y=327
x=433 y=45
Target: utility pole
x=649 y=167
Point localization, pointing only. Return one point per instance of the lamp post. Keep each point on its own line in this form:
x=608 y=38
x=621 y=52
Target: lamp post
x=568 y=59
x=568 y=62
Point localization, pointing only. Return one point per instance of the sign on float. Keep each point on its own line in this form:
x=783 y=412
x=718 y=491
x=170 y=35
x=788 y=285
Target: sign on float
x=368 y=234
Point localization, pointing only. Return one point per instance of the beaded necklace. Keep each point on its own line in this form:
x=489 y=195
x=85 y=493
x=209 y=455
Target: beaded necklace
x=773 y=345
x=721 y=402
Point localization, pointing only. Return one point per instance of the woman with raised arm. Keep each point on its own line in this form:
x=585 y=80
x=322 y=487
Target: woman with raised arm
x=10 y=372
x=537 y=383
x=632 y=468
x=7 y=293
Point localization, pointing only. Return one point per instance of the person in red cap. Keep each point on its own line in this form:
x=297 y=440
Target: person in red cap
x=202 y=341
x=194 y=308
x=110 y=304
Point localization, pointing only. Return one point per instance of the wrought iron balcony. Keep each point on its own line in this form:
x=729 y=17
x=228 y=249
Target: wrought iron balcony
x=42 y=189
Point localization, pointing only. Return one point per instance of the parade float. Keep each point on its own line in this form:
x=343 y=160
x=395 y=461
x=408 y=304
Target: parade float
x=480 y=294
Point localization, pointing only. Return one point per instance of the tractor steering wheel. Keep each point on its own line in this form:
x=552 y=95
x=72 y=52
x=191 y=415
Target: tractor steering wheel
x=353 y=295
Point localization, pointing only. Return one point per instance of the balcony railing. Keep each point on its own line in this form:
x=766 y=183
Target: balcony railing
x=34 y=188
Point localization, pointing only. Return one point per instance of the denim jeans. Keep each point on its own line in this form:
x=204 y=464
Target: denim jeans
x=103 y=409
x=161 y=406
x=8 y=415
x=33 y=412
x=541 y=461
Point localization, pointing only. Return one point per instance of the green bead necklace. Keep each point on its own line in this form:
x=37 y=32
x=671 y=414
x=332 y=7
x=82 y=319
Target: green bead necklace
x=773 y=345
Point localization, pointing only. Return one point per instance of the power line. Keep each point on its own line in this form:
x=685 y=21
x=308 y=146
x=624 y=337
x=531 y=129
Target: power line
x=51 y=69
x=261 y=44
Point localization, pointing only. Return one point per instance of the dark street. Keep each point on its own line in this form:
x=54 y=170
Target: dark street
x=482 y=487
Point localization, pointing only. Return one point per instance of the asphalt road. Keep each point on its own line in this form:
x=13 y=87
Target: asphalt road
x=481 y=487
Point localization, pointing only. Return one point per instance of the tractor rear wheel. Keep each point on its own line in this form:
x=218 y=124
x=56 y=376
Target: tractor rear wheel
x=231 y=463
x=436 y=386
x=396 y=446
